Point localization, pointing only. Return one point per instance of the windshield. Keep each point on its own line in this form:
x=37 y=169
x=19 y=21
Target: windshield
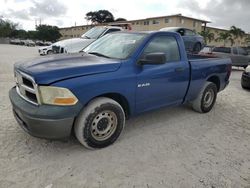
x=115 y=45
x=94 y=33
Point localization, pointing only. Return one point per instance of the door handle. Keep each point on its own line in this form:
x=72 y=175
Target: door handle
x=179 y=69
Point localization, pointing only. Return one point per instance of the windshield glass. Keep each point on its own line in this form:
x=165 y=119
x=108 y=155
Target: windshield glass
x=94 y=33
x=116 y=45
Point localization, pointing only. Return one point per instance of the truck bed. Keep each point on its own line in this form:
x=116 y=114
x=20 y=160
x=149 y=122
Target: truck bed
x=204 y=67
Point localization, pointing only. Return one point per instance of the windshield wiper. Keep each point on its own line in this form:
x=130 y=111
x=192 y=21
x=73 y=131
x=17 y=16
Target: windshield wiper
x=98 y=54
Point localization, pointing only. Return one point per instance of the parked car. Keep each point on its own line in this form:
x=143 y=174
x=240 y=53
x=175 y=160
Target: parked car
x=45 y=50
x=118 y=76
x=47 y=43
x=193 y=41
x=247 y=49
x=29 y=43
x=238 y=55
x=207 y=51
x=15 y=41
x=75 y=45
x=22 y=42
x=245 y=78
x=39 y=43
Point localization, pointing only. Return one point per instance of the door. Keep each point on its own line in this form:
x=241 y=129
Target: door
x=164 y=84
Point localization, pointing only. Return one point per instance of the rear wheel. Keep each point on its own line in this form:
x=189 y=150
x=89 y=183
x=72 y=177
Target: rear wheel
x=100 y=123
x=206 y=98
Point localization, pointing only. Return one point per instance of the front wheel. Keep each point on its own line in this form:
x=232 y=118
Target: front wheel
x=100 y=123
x=206 y=98
x=49 y=52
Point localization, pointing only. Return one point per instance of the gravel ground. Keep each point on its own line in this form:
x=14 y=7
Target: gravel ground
x=174 y=147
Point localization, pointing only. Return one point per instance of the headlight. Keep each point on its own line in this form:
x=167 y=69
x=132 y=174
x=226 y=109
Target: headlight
x=56 y=96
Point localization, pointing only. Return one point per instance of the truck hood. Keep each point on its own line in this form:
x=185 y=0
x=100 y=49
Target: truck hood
x=59 y=67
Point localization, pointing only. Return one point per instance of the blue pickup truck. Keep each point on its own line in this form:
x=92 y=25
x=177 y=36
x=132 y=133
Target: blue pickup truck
x=120 y=75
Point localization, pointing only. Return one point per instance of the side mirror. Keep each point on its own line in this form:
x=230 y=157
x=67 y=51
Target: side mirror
x=153 y=59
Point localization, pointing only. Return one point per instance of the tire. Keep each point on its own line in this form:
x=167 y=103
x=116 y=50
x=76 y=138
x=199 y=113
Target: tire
x=197 y=48
x=100 y=123
x=49 y=52
x=206 y=98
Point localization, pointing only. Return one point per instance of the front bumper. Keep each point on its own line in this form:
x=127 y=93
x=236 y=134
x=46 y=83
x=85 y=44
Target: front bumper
x=245 y=80
x=44 y=121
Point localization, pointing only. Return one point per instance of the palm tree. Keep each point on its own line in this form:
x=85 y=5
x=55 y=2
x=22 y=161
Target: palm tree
x=207 y=35
x=225 y=36
x=247 y=40
x=237 y=32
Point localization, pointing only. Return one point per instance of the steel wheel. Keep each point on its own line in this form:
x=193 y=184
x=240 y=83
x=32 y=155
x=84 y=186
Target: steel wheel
x=104 y=125
x=208 y=98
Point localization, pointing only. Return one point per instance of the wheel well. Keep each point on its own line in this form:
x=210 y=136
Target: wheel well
x=120 y=99
x=215 y=80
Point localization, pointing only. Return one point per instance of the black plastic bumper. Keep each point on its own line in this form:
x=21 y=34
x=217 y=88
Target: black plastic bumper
x=245 y=80
x=44 y=121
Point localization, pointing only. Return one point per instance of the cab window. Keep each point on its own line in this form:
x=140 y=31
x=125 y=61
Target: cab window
x=163 y=44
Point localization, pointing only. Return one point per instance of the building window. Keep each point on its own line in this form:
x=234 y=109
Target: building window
x=133 y=23
x=155 y=22
x=137 y=23
x=181 y=20
x=146 y=22
x=168 y=20
x=195 y=24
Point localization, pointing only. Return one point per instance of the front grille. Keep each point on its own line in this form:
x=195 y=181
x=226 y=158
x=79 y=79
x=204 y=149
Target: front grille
x=26 y=87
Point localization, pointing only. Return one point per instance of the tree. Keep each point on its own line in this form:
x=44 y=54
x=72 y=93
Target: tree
x=237 y=32
x=247 y=40
x=207 y=35
x=100 y=16
x=22 y=34
x=6 y=27
x=48 y=33
x=120 y=19
x=225 y=36
x=32 y=35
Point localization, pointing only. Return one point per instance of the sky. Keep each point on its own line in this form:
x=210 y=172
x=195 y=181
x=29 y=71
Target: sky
x=65 y=13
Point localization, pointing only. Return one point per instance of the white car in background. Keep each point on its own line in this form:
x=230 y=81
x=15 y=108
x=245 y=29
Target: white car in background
x=29 y=43
x=75 y=45
x=47 y=50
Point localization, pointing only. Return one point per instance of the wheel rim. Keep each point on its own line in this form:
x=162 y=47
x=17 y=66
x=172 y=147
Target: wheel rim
x=104 y=125
x=208 y=98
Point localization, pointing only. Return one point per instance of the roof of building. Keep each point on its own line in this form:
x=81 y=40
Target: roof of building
x=174 y=15
x=129 y=21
